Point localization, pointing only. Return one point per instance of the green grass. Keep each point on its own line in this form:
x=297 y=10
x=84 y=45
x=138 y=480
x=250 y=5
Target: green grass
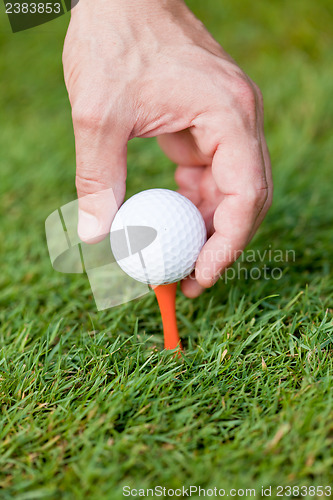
x=89 y=400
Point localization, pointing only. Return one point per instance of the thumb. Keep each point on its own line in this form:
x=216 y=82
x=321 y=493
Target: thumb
x=101 y=154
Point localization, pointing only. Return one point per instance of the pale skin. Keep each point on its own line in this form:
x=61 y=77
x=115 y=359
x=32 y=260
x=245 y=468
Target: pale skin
x=149 y=68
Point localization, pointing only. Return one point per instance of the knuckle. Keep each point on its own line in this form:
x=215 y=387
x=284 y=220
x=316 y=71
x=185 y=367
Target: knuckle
x=244 y=93
x=86 y=183
x=88 y=114
x=256 y=198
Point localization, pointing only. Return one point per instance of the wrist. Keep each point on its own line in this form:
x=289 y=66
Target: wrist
x=133 y=21
x=133 y=7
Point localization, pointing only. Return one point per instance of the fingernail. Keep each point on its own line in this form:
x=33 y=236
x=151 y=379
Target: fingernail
x=88 y=227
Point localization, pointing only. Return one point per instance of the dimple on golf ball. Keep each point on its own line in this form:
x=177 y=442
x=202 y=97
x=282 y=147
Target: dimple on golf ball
x=163 y=233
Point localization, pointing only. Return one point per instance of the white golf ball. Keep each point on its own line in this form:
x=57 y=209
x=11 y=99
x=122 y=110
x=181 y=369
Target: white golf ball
x=163 y=233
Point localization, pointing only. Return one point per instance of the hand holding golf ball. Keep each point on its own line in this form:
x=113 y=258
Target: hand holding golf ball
x=168 y=79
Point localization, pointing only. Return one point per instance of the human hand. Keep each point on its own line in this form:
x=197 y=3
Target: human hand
x=147 y=68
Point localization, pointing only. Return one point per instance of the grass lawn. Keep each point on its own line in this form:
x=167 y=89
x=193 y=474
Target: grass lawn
x=89 y=400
